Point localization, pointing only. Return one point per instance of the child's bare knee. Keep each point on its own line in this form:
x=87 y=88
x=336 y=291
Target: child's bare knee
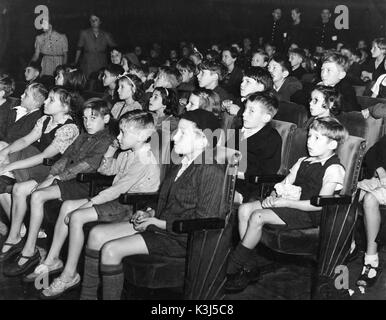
x=96 y=238
x=18 y=189
x=370 y=200
x=37 y=197
x=109 y=253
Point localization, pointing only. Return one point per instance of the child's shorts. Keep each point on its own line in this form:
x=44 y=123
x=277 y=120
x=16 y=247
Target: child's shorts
x=160 y=242
x=73 y=190
x=297 y=219
x=113 y=211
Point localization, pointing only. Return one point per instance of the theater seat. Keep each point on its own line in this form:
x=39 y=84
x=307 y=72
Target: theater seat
x=201 y=275
x=329 y=244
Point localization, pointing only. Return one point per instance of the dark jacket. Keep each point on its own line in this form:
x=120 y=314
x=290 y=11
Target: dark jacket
x=349 y=98
x=288 y=88
x=5 y=114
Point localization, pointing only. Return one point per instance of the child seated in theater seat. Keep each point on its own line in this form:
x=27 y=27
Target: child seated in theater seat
x=84 y=155
x=289 y=207
x=284 y=85
x=52 y=134
x=263 y=143
x=191 y=190
x=259 y=58
x=324 y=102
x=136 y=170
x=333 y=74
x=255 y=79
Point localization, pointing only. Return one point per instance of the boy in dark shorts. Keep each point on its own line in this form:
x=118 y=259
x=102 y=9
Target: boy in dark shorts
x=289 y=207
x=136 y=170
x=84 y=155
x=191 y=190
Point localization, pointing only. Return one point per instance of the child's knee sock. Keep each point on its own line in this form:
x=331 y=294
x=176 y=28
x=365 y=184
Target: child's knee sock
x=241 y=257
x=91 y=275
x=113 y=279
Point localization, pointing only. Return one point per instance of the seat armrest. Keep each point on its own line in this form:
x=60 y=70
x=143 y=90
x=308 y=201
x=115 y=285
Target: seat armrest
x=320 y=201
x=134 y=198
x=49 y=162
x=266 y=178
x=188 y=226
x=95 y=177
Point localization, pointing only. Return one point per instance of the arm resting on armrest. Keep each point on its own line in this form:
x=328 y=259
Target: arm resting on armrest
x=95 y=177
x=187 y=226
x=320 y=201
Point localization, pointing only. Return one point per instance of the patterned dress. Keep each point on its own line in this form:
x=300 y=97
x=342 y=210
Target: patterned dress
x=53 y=47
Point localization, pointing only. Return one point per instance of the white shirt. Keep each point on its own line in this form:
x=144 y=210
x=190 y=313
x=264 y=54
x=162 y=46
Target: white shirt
x=246 y=133
x=21 y=112
x=185 y=165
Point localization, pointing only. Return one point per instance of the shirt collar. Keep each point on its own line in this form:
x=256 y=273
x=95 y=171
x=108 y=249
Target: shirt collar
x=321 y=161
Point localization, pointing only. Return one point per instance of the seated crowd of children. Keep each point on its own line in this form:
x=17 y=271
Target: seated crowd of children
x=108 y=129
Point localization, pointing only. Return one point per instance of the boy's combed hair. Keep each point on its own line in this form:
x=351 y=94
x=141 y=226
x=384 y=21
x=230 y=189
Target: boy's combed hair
x=267 y=99
x=332 y=98
x=381 y=43
x=139 y=119
x=115 y=69
x=261 y=75
x=282 y=60
x=39 y=92
x=186 y=64
x=339 y=59
x=331 y=128
x=213 y=66
x=7 y=84
x=98 y=106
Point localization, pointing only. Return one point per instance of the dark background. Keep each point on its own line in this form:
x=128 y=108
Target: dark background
x=142 y=22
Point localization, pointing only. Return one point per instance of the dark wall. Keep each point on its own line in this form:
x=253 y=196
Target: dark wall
x=169 y=21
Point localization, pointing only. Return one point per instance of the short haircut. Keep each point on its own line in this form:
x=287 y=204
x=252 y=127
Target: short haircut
x=115 y=69
x=35 y=65
x=233 y=51
x=186 y=64
x=338 y=59
x=333 y=99
x=169 y=99
x=331 y=128
x=39 y=92
x=282 y=60
x=299 y=52
x=98 y=106
x=172 y=74
x=7 y=84
x=381 y=43
x=262 y=53
x=261 y=75
x=213 y=66
x=138 y=119
x=297 y=10
x=267 y=99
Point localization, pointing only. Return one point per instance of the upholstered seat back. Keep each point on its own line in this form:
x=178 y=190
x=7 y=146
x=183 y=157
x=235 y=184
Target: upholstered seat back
x=292 y=112
x=286 y=131
x=356 y=125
